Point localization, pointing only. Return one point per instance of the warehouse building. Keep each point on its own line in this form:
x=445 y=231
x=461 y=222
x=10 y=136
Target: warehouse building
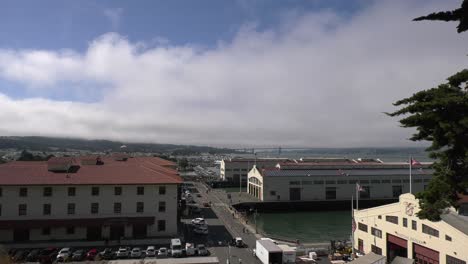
x=335 y=179
x=234 y=168
x=88 y=199
x=394 y=230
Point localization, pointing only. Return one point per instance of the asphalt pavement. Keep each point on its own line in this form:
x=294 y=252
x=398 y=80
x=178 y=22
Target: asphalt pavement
x=223 y=226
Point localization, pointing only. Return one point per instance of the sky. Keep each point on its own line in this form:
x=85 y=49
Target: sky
x=302 y=73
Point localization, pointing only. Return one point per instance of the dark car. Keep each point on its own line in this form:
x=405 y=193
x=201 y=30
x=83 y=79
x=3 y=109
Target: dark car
x=78 y=255
x=107 y=254
x=32 y=256
x=19 y=255
x=47 y=255
x=92 y=253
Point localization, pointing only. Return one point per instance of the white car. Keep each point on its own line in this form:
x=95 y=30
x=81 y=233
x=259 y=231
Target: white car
x=123 y=252
x=162 y=253
x=136 y=253
x=198 y=221
x=150 y=252
x=64 y=254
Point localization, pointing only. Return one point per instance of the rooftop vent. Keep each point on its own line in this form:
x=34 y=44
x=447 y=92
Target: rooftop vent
x=62 y=164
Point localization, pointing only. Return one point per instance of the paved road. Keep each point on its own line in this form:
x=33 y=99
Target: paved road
x=222 y=228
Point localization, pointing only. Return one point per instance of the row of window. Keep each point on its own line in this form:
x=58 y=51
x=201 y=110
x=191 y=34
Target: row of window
x=235 y=169
x=414 y=225
x=47 y=191
x=356 y=181
x=47 y=208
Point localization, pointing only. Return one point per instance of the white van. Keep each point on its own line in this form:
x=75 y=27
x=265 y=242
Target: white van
x=176 y=248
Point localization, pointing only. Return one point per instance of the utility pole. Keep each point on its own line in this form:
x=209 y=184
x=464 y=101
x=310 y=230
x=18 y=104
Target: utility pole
x=255 y=220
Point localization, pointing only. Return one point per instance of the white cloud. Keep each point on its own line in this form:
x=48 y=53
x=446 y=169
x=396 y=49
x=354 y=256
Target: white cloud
x=317 y=80
x=114 y=15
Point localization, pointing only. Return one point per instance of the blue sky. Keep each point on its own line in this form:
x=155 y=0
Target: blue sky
x=315 y=73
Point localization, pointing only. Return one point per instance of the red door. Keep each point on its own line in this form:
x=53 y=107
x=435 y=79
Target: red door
x=424 y=255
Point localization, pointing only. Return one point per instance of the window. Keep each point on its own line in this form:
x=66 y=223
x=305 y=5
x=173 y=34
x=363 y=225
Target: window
x=23 y=192
x=414 y=225
x=0 y=209
x=94 y=208
x=243 y=169
x=236 y=169
x=1 y=192
x=95 y=191
x=448 y=238
x=376 y=250
x=417 y=180
x=342 y=182
x=362 y=227
x=430 y=231
x=427 y=180
x=392 y=219
x=117 y=208
x=318 y=182
x=380 y=217
x=71 y=208
x=295 y=182
x=46 y=231
x=117 y=190
x=405 y=222
x=228 y=170
x=47 y=191
x=140 y=207
x=70 y=230
x=161 y=225
x=162 y=206
x=376 y=232
x=330 y=193
x=330 y=182
x=352 y=181
x=140 y=190
x=396 y=181
x=452 y=260
x=386 y=181
x=273 y=193
x=397 y=190
x=307 y=182
x=46 y=208
x=162 y=190
x=71 y=191
x=236 y=175
x=406 y=180
x=22 y=209
x=364 y=181
x=375 y=181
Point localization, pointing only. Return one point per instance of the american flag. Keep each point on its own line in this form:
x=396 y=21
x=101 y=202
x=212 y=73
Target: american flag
x=414 y=162
x=353 y=225
x=359 y=188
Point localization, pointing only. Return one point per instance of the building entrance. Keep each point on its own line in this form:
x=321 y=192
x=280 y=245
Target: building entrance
x=396 y=247
x=294 y=194
x=117 y=232
x=424 y=255
x=21 y=234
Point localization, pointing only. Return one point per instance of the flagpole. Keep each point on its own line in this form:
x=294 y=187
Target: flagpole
x=357 y=197
x=410 y=181
x=352 y=229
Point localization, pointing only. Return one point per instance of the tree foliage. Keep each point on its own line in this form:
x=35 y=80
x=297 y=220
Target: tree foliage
x=440 y=115
x=459 y=14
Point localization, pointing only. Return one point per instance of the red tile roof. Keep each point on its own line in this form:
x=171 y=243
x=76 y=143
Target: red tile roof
x=138 y=170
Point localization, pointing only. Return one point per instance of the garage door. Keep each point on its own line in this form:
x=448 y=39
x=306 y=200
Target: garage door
x=424 y=255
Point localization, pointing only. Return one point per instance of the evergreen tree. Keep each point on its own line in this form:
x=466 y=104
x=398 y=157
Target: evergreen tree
x=459 y=14
x=440 y=115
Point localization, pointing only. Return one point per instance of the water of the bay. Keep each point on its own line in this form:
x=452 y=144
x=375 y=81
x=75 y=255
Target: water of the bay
x=307 y=227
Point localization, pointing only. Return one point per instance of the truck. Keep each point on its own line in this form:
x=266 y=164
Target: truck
x=176 y=248
x=189 y=249
x=268 y=252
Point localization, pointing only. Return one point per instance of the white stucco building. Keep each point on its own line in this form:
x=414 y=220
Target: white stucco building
x=335 y=179
x=395 y=230
x=88 y=199
x=235 y=168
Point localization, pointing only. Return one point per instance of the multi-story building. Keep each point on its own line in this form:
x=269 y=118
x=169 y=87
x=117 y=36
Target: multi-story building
x=234 y=169
x=88 y=198
x=335 y=179
x=394 y=230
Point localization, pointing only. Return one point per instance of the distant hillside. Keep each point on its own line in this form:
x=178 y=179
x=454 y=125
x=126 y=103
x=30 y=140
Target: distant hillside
x=63 y=144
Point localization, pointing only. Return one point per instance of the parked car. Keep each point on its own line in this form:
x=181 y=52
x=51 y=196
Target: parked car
x=32 y=256
x=47 y=255
x=189 y=249
x=238 y=242
x=201 y=230
x=162 y=252
x=63 y=255
x=92 y=253
x=150 y=252
x=78 y=255
x=123 y=252
x=136 y=253
x=198 y=221
x=202 y=251
x=20 y=255
x=107 y=254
